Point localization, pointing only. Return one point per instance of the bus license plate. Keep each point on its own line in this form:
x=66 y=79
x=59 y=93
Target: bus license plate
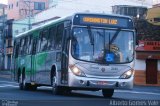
x=101 y=82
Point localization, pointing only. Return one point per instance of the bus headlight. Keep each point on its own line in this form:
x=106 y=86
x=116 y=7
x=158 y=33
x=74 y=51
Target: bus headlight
x=76 y=71
x=127 y=74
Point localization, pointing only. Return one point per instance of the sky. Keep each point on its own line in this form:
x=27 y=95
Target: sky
x=156 y=1
x=3 y=1
x=148 y=1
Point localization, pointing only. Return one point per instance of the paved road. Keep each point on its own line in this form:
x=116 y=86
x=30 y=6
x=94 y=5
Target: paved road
x=10 y=94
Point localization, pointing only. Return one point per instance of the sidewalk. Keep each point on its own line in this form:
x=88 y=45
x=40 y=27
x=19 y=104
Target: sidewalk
x=5 y=74
x=146 y=88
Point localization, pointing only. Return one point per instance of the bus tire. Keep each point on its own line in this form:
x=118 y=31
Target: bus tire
x=30 y=87
x=107 y=93
x=21 y=80
x=56 y=90
x=21 y=87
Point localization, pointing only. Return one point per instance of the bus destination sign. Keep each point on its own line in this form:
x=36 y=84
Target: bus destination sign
x=103 y=21
x=100 y=20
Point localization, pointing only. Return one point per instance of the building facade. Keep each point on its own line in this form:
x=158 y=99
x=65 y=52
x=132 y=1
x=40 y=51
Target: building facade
x=153 y=14
x=20 y=19
x=20 y=26
x=148 y=49
x=147 y=65
x=18 y=9
x=147 y=69
x=133 y=11
x=8 y=45
x=3 y=18
x=53 y=3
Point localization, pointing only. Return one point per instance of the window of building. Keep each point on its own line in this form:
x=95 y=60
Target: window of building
x=9 y=7
x=17 y=4
x=24 y=29
x=12 y=6
x=39 y=5
x=16 y=32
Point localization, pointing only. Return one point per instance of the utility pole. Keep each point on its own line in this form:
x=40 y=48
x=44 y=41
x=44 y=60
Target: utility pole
x=29 y=20
x=28 y=3
x=3 y=39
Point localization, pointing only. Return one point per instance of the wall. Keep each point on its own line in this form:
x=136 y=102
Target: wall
x=140 y=73
x=21 y=10
x=19 y=25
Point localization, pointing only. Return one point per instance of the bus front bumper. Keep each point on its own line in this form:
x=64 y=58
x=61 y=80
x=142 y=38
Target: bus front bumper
x=99 y=83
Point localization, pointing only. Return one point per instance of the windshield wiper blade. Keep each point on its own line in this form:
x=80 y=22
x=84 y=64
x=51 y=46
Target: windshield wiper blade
x=115 y=35
x=90 y=35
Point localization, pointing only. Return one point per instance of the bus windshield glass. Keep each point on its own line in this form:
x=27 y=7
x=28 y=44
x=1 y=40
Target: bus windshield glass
x=102 y=45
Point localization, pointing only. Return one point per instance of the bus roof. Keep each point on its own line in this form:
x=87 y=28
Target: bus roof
x=44 y=25
x=69 y=17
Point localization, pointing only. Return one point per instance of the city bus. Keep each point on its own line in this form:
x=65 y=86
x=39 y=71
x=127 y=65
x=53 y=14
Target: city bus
x=84 y=51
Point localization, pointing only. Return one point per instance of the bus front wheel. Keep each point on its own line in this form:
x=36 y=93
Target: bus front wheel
x=107 y=93
x=55 y=89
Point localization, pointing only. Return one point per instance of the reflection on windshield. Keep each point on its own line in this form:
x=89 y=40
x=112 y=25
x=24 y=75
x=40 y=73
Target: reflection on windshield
x=120 y=50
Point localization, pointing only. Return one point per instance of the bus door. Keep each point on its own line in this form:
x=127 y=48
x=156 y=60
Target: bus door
x=65 y=56
x=33 y=72
x=40 y=58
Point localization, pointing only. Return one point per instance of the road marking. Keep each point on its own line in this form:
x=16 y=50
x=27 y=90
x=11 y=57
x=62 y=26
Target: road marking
x=8 y=86
x=8 y=82
x=148 y=93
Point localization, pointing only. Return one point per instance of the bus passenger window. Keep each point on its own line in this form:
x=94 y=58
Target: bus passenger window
x=59 y=35
x=25 y=46
x=30 y=46
x=44 y=36
x=21 y=52
x=51 y=38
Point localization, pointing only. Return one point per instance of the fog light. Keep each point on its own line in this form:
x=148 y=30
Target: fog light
x=123 y=84
x=81 y=82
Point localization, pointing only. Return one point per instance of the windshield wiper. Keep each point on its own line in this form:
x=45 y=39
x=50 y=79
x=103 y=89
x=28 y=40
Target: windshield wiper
x=91 y=37
x=115 y=35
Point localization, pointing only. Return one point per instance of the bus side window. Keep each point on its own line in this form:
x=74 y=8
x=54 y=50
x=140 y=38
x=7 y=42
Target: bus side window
x=21 y=50
x=34 y=45
x=30 y=46
x=38 y=40
x=59 y=35
x=25 y=45
x=43 y=37
x=51 y=38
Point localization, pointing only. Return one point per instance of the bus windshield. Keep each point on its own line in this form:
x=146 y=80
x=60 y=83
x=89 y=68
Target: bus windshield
x=102 y=45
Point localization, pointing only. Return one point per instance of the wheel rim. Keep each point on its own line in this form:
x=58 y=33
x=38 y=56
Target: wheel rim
x=20 y=79
x=54 y=83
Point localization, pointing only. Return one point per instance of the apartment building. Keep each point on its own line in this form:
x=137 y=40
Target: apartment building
x=18 y=12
